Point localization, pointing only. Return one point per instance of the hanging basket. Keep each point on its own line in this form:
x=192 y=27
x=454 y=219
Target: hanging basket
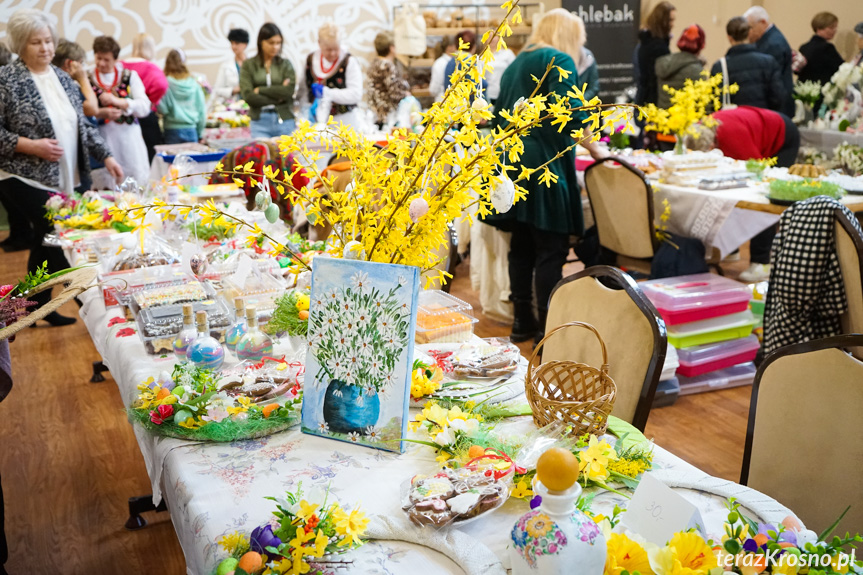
x=572 y=392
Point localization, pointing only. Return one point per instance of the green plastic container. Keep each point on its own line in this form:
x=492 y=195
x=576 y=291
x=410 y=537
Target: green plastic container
x=712 y=330
x=757 y=306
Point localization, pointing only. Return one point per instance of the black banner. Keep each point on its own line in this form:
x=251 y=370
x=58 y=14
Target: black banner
x=612 y=34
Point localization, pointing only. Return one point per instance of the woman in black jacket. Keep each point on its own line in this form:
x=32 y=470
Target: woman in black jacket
x=822 y=58
x=652 y=44
x=757 y=75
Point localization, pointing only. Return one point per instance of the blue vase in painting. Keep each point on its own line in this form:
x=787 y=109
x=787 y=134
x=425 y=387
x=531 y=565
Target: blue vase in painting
x=348 y=409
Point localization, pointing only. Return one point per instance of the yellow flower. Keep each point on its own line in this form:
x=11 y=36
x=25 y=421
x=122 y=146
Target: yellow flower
x=234 y=542
x=784 y=566
x=321 y=542
x=443 y=457
x=436 y=414
x=350 y=526
x=306 y=510
x=593 y=461
x=521 y=490
x=414 y=426
x=539 y=525
x=685 y=554
x=191 y=423
x=624 y=554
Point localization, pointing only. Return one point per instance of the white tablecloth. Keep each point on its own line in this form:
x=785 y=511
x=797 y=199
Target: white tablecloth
x=827 y=140
x=214 y=489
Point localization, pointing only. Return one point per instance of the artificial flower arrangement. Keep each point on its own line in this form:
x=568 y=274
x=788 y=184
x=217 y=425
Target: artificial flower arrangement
x=304 y=529
x=404 y=195
x=844 y=78
x=746 y=548
x=87 y=211
x=690 y=105
x=291 y=315
x=194 y=403
x=425 y=379
x=849 y=157
x=13 y=298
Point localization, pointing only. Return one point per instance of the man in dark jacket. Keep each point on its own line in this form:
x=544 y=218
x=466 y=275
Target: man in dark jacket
x=769 y=40
x=757 y=75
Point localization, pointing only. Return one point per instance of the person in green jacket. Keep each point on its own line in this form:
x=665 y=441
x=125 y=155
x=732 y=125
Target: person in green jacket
x=267 y=84
x=542 y=223
x=673 y=70
x=183 y=107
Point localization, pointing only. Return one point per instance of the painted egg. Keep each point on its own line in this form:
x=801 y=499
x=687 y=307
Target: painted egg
x=353 y=251
x=418 y=208
x=477 y=106
x=182 y=416
x=272 y=213
x=129 y=241
x=503 y=195
x=227 y=566
x=262 y=200
x=251 y=562
x=198 y=263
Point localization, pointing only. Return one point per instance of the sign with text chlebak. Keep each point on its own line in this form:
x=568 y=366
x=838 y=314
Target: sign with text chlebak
x=612 y=34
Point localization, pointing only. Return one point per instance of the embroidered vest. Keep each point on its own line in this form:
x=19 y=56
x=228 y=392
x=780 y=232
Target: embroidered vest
x=336 y=81
x=121 y=90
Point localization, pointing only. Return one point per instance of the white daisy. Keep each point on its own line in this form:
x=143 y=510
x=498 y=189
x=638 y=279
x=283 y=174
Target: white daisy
x=337 y=392
x=375 y=367
x=354 y=437
x=369 y=390
x=361 y=401
x=360 y=281
x=402 y=280
x=346 y=306
x=372 y=434
x=332 y=294
x=324 y=427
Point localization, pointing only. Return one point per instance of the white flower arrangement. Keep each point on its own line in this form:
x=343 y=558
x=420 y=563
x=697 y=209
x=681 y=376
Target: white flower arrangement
x=846 y=76
x=808 y=92
x=358 y=334
x=849 y=157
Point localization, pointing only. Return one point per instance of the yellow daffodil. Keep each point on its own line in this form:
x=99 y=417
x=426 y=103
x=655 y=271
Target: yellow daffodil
x=191 y=423
x=521 y=490
x=624 y=554
x=321 y=542
x=443 y=457
x=350 y=526
x=306 y=510
x=685 y=554
x=593 y=461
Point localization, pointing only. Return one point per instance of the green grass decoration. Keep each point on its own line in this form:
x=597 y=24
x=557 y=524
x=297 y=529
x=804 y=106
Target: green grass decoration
x=225 y=431
x=286 y=318
x=795 y=191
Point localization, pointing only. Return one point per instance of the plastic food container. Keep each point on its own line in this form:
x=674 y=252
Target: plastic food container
x=442 y=318
x=743 y=374
x=260 y=290
x=711 y=357
x=713 y=330
x=696 y=297
x=119 y=287
x=667 y=392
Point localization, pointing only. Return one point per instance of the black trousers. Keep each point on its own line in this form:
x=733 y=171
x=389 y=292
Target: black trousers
x=152 y=134
x=19 y=227
x=759 y=246
x=30 y=202
x=536 y=257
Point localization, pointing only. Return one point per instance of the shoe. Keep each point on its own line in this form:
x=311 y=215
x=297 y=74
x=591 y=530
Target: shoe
x=524 y=326
x=756 y=273
x=57 y=320
x=9 y=247
x=732 y=257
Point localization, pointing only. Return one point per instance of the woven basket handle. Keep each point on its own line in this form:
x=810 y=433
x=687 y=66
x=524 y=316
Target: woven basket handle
x=535 y=355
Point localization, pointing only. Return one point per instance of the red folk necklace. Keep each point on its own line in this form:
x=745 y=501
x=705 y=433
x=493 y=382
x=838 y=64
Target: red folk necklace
x=325 y=71
x=103 y=86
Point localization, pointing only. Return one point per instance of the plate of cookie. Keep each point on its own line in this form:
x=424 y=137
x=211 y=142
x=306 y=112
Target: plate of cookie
x=454 y=496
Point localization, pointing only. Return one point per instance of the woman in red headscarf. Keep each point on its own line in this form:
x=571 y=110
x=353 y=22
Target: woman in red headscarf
x=674 y=69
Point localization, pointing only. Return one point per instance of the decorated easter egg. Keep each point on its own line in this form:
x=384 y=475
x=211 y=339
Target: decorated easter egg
x=262 y=200
x=272 y=213
x=477 y=106
x=182 y=416
x=353 y=251
x=503 y=195
x=227 y=566
x=418 y=208
x=251 y=562
x=198 y=263
x=129 y=241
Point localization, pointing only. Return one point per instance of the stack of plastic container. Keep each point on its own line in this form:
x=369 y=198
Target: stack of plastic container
x=710 y=324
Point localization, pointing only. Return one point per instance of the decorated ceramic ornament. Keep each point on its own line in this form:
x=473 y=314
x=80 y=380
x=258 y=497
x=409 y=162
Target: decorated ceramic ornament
x=418 y=208
x=262 y=200
x=198 y=263
x=272 y=213
x=503 y=195
x=478 y=105
x=354 y=251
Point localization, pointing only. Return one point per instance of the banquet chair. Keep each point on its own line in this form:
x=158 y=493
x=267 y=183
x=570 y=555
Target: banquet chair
x=803 y=443
x=849 y=249
x=621 y=200
x=634 y=335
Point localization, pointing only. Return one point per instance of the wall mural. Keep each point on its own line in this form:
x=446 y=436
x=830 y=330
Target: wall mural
x=200 y=27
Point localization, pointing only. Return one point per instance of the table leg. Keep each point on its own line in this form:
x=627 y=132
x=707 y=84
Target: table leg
x=98 y=369
x=138 y=505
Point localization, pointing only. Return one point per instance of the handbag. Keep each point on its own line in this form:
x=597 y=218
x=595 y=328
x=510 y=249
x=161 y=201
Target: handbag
x=726 y=95
x=409 y=31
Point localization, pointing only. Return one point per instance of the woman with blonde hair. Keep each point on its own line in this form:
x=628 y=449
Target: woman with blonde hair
x=155 y=86
x=333 y=79
x=183 y=108
x=542 y=223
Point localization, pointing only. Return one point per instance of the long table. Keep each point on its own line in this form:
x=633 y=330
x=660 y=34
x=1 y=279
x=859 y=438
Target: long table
x=214 y=489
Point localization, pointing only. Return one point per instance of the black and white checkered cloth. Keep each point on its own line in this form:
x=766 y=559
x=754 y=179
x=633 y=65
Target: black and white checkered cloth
x=806 y=296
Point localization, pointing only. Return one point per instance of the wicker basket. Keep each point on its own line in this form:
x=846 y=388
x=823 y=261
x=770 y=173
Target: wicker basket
x=575 y=393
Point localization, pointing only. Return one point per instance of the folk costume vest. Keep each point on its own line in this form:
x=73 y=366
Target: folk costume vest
x=121 y=89
x=336 y=81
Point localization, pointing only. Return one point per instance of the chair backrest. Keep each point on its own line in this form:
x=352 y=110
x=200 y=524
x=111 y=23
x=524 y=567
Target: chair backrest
x=622 y=205
x=633 y=332
x=803 y=444
x=849 y=249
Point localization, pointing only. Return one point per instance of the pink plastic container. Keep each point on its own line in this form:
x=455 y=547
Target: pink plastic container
x=711 y=357
x=696 y=297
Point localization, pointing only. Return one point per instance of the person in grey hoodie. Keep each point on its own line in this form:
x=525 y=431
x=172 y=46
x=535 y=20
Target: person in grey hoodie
x=673 y=70
x=183 y=107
